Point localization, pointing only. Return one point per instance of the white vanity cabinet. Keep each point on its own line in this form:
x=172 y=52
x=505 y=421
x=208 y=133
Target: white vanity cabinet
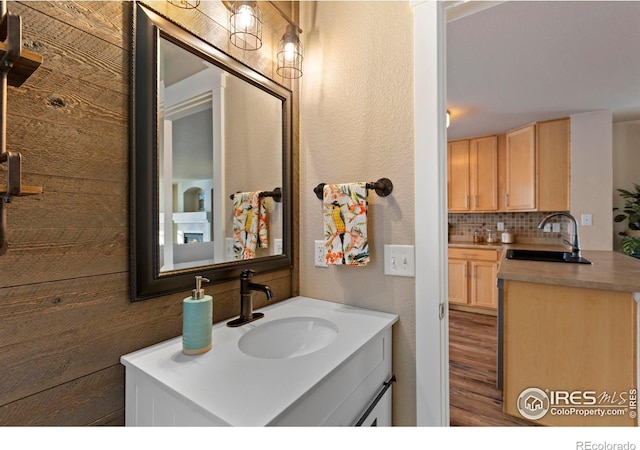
x=341 y=384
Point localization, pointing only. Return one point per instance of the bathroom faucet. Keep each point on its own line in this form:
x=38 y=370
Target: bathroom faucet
x=246 y=299
x=575 y=245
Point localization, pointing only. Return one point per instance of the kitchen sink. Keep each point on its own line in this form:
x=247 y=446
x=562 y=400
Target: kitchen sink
x=545 y=255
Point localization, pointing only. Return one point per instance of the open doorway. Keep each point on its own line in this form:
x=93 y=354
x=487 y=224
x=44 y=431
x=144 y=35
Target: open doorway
x=494 y=88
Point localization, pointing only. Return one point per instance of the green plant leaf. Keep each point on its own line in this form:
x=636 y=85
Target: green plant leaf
x=630 y=245
x=625 y=194
x=619 y=218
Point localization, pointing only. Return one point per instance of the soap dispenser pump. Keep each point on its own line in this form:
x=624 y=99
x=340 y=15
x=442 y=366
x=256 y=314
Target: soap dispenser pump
x=197 y=317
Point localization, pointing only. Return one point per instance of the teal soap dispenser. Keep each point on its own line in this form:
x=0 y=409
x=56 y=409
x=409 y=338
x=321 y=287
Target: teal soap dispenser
x=197 y=317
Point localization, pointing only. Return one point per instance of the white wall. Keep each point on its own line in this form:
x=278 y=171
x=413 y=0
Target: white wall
x=626 y=161
x=356 y=124
x=592 y=177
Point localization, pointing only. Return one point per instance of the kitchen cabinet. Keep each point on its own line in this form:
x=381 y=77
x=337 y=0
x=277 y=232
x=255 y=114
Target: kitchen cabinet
x=472 y=167
x=573 y=340
x=458 y=175
x=537 y=167
x=554 y=149
x=520 y=170
x=526 y=169
x=472 y=277
x=568 y=330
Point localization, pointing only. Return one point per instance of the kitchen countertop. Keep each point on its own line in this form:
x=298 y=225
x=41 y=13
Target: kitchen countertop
x=232 y=388
x=464 y=244
x=610 y=271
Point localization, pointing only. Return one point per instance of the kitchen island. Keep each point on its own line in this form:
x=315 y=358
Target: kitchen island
x=568 y=340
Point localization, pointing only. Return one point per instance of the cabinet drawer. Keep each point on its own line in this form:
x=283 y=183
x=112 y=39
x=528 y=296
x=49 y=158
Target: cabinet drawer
x=475 y=254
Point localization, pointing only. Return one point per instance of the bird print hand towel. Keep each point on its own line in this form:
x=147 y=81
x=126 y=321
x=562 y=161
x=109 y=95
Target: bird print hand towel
x=249 y=224
x=345 y=224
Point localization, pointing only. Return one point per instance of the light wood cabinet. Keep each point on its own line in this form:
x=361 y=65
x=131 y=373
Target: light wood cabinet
x=472 y=166
x=472 y=277
x=520 y=170
x=526 y=169
x=554 y=151
x=458 y=175
x=571 y=339
x=458 y=288
x=537 y=168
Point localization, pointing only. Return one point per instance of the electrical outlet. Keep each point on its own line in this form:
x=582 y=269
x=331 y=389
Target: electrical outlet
x=277 y=246
x=547 y=228
x=228 y=248
x=319 y=254
x=399 y=260
x=556 y=227
x=500 y=226
x=586 y=220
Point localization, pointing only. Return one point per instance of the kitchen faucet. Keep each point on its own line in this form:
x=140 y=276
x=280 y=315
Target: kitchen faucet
x=575 y=245
x=246 y=299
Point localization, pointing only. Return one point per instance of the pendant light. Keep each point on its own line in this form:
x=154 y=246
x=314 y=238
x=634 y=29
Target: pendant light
x=245 y=25
x=290 y=54
x=185 y=4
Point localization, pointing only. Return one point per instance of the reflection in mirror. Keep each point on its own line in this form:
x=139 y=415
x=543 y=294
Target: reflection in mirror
x=211 y=148
x=214 y=124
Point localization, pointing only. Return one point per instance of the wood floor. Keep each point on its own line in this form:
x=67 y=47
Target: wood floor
x=473 y=396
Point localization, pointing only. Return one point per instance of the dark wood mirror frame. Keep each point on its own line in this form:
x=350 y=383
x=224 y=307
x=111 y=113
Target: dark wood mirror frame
x=146 y=281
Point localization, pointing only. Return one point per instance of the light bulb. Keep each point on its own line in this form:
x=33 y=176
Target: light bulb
x=246 y=17
x=289 y=51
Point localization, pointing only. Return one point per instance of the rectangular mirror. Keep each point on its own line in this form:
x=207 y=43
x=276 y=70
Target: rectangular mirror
x=211 y=146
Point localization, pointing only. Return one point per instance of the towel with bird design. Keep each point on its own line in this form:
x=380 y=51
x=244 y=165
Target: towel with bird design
x=249 y=224
x=345 y=224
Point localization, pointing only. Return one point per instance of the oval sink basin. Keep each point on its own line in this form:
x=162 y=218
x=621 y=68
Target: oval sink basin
x=288 y=338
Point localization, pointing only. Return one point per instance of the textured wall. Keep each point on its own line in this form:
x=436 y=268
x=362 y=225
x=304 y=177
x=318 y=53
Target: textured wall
x=357 y=125
x=592 y=177
x=626 y=160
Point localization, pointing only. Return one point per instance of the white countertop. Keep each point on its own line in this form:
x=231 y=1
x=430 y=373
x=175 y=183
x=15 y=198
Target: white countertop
x=236 y=389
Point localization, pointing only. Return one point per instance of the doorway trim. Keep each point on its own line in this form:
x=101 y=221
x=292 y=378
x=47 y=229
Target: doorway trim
x=430 y=152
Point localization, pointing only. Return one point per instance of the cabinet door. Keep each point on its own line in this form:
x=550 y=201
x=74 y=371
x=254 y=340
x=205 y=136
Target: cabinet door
x=484 y=291
x=554 y=150
x=458 y=175
x=521 y=170
x=483 y=154
x=458 y=281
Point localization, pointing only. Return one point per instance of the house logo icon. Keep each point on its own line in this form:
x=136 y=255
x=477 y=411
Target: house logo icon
x=533 y=403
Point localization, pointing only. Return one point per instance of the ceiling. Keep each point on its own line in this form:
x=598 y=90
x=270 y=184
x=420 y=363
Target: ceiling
x=518 y=62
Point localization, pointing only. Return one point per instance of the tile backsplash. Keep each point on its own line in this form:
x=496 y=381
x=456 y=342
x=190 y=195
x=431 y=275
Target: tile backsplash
x=522 y=224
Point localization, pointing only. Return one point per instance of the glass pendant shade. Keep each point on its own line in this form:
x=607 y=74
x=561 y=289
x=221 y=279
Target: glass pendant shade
x=185 y=4
x=246 y=25
x=290 y=54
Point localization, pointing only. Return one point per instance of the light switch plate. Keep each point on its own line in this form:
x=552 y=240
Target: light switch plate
x=399 y=260
x=500 y=226
x=547 y=227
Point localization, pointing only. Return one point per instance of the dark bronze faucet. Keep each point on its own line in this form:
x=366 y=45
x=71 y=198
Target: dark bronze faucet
x=246 y=301
x=575 y=241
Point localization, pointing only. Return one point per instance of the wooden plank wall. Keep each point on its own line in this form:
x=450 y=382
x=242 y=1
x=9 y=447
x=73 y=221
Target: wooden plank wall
x=65 y=315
